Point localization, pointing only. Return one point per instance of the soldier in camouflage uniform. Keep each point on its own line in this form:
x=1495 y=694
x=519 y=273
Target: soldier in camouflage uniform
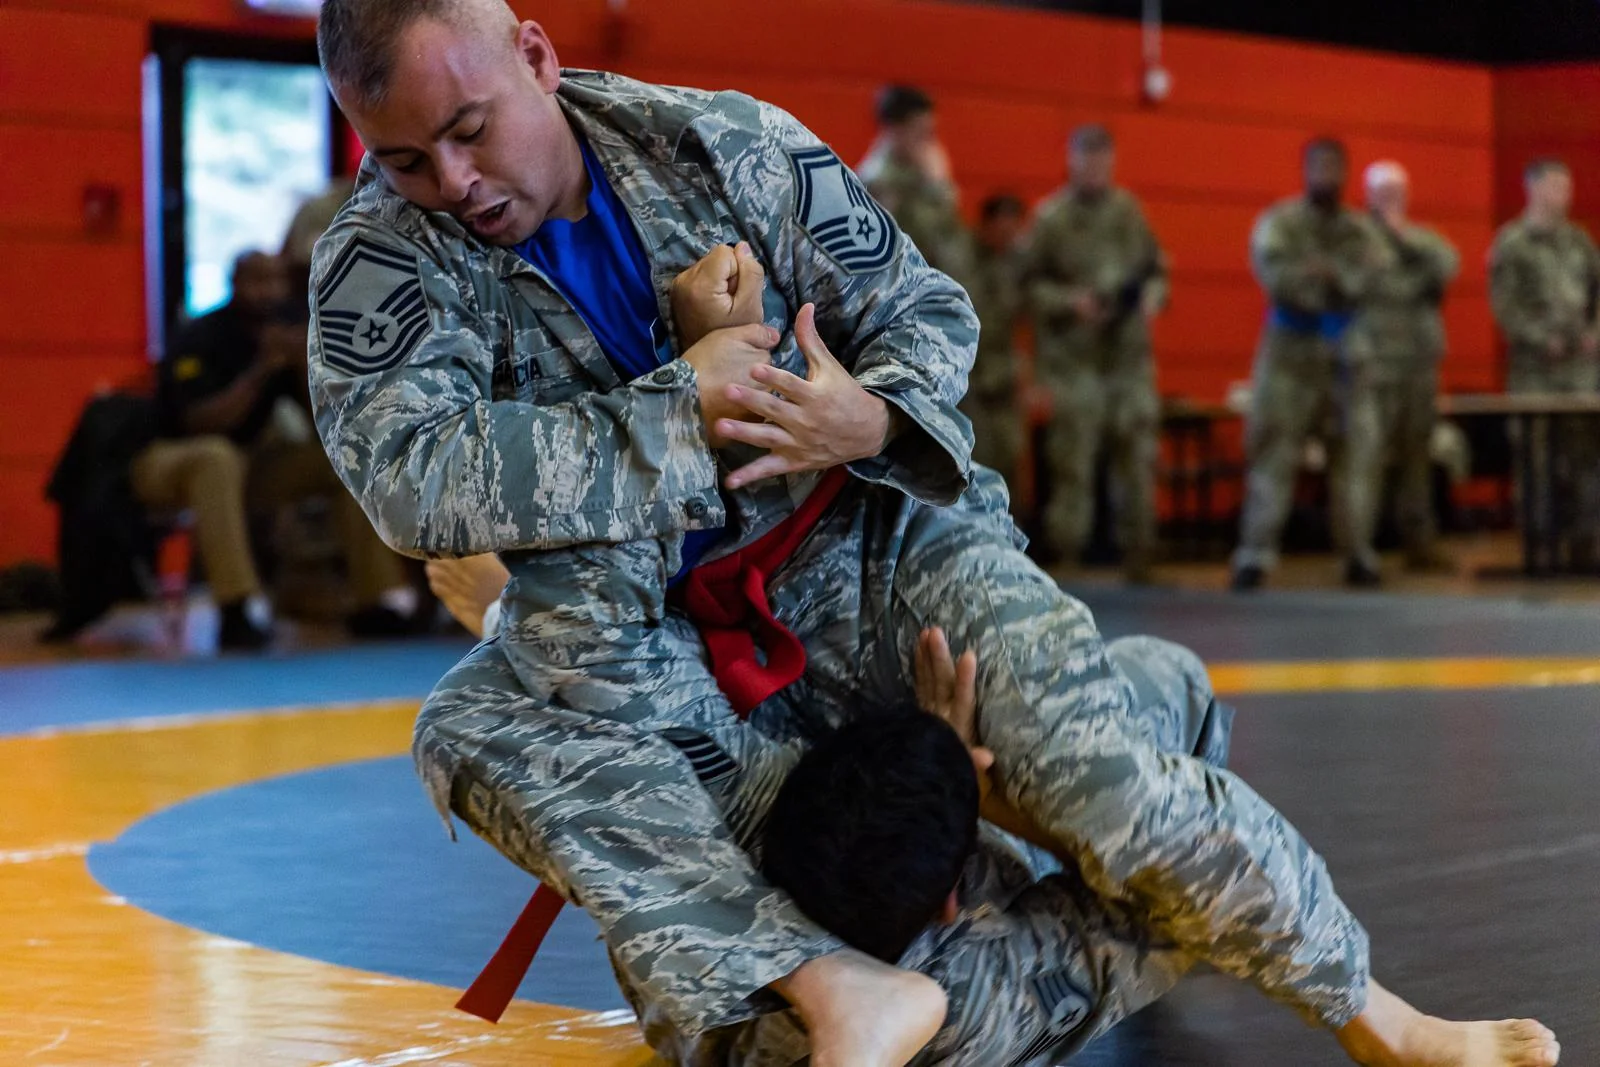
x=1318 y=261
x=997 y=293
x=1544 y=274
x=908 y=172
x=1402 y=329
x=472 y=409
x=1035 y=966
x=1096 y=279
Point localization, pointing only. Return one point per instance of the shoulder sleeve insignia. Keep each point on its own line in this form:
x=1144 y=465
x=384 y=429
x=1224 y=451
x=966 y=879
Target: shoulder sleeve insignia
x=371 y=311
x=832 y=206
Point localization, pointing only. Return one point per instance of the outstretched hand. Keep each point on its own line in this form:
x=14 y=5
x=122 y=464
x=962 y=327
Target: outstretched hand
x=947 y=687
x=814 y=423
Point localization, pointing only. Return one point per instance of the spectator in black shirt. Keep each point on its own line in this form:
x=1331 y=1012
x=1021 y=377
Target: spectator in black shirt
x=221 y=452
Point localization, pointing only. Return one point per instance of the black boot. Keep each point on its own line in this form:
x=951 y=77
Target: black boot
x=1359 y=575
x=238 y=633
x=1248 y=579
x=379 y=621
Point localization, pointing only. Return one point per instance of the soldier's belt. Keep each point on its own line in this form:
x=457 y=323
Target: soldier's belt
x=1328 y=325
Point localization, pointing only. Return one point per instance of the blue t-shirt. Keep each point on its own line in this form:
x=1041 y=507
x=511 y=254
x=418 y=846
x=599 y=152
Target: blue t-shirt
x=600 y=266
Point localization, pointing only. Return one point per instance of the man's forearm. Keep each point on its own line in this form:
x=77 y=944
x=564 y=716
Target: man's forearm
x=219 y=414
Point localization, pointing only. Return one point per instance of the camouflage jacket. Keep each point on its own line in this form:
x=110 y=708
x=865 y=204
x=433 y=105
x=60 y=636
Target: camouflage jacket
x=1290 y=241
x=1102 y=244
x=996 y=291
x=1543 y=284
x=926 y=210
x=1400 y=316
x=469 y=409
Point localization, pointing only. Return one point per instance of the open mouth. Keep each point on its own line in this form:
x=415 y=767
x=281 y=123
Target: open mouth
x=486 y=223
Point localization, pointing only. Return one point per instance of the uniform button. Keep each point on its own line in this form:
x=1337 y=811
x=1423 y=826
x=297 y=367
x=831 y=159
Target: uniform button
x=696 y=509
x=664 y=376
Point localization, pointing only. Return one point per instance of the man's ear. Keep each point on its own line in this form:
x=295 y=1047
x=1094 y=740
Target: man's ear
x=951 y=910
x=533 y=44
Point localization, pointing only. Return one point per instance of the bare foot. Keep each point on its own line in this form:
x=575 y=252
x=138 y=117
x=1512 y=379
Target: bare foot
x=468 y=586
x=863 y=1013
x=1391 y=1033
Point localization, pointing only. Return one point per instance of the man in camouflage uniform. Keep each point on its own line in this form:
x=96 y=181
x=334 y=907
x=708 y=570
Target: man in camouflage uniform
x=1035 y=966
x=472 y=409
x=1402 y=329
x=908 y=172
x=1544 y=275
x=1096 y=279
x=996 y=289
x=1318 y=261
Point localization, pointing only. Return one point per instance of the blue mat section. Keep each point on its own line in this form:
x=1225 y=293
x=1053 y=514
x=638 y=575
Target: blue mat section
x=80 y=694
x=349 y=865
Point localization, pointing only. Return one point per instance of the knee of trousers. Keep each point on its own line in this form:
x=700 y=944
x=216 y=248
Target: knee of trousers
x=461 y=758
x=436 y=737
x=1189 y=719
x=220 y=455
x=1178 y=670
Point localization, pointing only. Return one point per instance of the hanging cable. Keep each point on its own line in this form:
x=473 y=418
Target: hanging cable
x=1157 y=83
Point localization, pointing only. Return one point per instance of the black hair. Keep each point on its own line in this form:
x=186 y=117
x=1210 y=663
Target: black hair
x=871 y=830
x=1538 y=168
x=1092 y=138
x=1330 y=145
x=901 y=103
x=1001 y=204
x=356 y=40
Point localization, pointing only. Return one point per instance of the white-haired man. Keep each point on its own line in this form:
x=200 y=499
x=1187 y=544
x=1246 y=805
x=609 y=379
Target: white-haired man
x=1404 y=334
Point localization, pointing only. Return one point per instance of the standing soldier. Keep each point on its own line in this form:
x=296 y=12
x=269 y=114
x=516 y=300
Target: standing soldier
x=996 y=291
x=1544 y=274
x=1401 y=326
x=1317 y=261
x=1096 y=279
x=908 y=172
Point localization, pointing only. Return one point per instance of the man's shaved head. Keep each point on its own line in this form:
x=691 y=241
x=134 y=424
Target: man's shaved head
x=357 y=39
x=456 y=103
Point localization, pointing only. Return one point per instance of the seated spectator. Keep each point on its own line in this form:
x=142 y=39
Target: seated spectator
x=219 y=454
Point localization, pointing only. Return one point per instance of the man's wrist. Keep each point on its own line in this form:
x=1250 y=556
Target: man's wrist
x=895 y=422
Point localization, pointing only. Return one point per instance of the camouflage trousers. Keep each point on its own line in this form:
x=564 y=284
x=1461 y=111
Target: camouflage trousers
x=1037 y=965
x=1575 y=481
x=1303 y=387
x=1115 y=414
x=1404 y=408
x=1061 y=965
x=616 y=817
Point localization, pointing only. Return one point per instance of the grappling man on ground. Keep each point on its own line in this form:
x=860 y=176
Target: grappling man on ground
x=498 y=366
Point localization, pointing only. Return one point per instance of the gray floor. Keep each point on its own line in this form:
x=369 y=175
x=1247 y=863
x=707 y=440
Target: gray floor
x=1463 y=827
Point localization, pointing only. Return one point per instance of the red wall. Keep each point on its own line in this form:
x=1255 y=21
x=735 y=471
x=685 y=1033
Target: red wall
x=1547 y=111
x=1010 y=85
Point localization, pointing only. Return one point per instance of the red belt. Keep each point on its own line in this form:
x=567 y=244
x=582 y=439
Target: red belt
x=727 y=600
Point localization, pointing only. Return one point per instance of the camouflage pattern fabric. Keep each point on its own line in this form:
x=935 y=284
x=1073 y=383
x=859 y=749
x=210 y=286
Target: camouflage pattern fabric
x=1402 y=328
x=469 y=410
x=1101 y=374
x=1311 y=379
